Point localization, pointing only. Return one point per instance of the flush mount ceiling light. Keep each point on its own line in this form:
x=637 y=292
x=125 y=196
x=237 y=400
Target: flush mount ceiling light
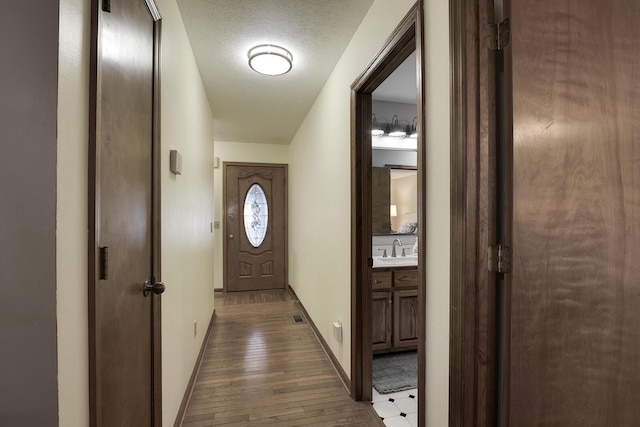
x=270 y=60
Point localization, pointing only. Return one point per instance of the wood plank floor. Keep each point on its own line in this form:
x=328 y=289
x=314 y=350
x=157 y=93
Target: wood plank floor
x=261 y=369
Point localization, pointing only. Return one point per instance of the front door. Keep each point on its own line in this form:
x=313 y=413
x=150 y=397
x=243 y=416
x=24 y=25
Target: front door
x=255 y=226
x=121 y=217
x=575 y=291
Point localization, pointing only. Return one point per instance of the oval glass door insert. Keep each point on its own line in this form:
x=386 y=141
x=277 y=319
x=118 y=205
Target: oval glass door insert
x=256 y=215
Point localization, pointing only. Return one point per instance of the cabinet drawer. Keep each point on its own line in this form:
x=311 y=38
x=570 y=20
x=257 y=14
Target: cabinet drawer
x=381 y=279
x=405 y=278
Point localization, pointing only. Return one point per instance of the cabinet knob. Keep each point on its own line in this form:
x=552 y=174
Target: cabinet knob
x=375 y=281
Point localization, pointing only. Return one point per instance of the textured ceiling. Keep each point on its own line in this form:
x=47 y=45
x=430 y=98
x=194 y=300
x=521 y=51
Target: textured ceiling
x=251 y=107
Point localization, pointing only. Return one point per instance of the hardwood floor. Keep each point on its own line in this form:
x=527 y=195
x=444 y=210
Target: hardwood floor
x=262 y=369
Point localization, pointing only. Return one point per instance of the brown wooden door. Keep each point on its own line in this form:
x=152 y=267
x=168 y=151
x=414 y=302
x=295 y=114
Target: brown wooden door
x=575 y=288
x=122 y=357
x=255 y=227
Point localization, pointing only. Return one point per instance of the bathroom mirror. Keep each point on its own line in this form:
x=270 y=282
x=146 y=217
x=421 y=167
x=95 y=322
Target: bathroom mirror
x=395 y=199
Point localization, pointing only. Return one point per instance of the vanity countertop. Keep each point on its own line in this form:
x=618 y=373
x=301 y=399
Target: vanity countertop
x=401 y=261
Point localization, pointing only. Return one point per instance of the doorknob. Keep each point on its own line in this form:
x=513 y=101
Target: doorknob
x=152 y=286
x=231 y=236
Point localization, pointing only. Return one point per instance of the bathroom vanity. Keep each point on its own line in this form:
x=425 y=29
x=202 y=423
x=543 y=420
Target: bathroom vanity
x=394 y=306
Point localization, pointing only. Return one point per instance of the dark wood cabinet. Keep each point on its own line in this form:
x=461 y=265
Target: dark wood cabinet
x=381 y=328
x=405 y=318
x=394 y=309
x=380 y=201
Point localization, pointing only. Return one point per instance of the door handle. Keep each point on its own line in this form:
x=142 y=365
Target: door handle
x=231 y=236
x=152 y=286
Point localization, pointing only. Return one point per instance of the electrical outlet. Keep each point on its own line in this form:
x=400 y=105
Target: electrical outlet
x=195 y=328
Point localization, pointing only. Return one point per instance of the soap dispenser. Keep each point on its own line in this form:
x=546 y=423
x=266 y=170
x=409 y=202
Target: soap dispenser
x=415 y=247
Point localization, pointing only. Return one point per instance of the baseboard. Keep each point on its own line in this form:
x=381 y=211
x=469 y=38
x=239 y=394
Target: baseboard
x=325 y=347
x=194 y=375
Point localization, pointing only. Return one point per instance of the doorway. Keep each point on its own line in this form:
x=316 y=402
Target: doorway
x=255 y=226
x=124 y=216
x=545 y=137
x=406 y=40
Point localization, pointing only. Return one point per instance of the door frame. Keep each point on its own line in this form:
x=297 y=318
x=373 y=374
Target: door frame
x=94 y=209
x=473 y=349
x=405 y=39
x=285 y=167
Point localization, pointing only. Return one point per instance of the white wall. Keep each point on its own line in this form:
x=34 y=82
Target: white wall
x=187 y=210
x=437 y=107
x=319 y=194
x=187 y=204
x=72 y=293
x=319 y=185
x=238 y=152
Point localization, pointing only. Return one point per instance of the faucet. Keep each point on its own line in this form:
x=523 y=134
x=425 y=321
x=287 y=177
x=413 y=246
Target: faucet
x=396 y=242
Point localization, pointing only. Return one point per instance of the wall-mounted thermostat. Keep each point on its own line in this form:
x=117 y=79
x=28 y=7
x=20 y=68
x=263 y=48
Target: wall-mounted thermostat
x=175 y=162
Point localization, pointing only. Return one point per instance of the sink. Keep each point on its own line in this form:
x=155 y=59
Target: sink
x=379 y=261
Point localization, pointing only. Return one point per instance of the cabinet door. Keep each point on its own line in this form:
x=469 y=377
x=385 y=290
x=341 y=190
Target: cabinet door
x=405 y=318
x=381 y=320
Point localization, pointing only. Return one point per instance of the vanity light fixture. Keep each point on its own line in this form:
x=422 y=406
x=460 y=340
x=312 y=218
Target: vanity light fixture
x=393 y=210
x=414 y=128
x=375 y=129
x=270 y=60
x=397 y=130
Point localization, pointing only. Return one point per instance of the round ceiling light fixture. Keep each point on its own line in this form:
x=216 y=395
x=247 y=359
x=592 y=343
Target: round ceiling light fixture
x=270 y=60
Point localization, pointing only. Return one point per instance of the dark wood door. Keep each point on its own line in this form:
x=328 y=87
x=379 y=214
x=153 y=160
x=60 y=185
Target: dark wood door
x=255 y=227
x=122 y=327
x=575 y=290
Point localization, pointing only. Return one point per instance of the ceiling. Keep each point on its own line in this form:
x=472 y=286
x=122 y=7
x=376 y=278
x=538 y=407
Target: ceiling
x=250 y=107
x=401 y=85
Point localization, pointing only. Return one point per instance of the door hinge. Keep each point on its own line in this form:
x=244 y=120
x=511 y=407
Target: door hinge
x=104 y=263
x=499 y=35
x=499 y=259
x=106 y=6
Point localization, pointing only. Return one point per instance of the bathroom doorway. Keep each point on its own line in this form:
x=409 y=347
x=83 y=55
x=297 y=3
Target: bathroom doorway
x=388 y=300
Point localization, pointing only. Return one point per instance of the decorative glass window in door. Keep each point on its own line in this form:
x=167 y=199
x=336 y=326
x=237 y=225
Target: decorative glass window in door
x=256 y=215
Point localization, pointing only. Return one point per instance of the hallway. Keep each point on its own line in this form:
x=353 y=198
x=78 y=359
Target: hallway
x=260 y=368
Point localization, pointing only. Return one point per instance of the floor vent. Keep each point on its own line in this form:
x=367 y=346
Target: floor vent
x=296 y=318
